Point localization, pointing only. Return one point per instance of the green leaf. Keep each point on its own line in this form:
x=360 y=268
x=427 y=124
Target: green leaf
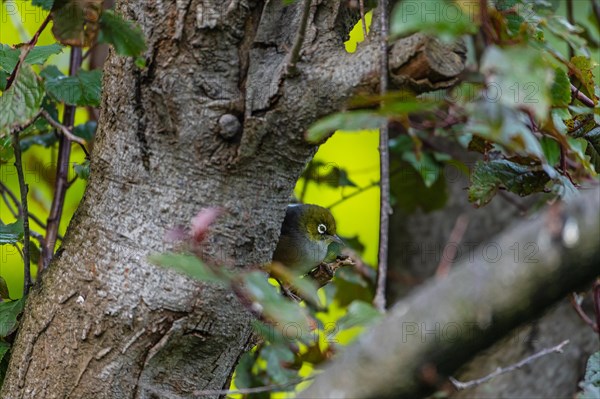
x=4 y=294
x=304 y=287
x=11 y=233
x=40 y=54
x=488 y=177
x=45 y=4
x=561 y=89
x=347 y=121
x=85 y=88
x=126 y=38
x=4 y=348
x=9 y=312
x=34 y=253
x=8 y=57
x=243 y=371
x=359 y=314
x=563 y=188
x=277 y=357
x=86 y=130
x=45 y=140
x=411 y=193
x=583 y=69
x=503 y=125
x=443 y=19
x=426 y=165
x=560 y=27
x=82 y=170
x=21 y=102
x=511 y=81
x=593 y=148
x=551 y=150
x=591 y=381
x=289 y=318
x=3 y=79
x=191 y=266
x=6 y=149
x=51 y=72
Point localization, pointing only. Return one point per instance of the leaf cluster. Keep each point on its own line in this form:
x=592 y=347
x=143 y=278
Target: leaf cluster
x=526 y=106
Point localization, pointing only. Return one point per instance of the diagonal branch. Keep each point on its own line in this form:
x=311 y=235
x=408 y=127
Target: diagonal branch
x=30 y=45
x=446 y=321
x=63 y=130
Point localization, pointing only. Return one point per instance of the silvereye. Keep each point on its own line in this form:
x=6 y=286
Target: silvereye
x=306 y=233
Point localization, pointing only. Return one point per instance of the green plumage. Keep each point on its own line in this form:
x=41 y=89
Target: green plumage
x=306 y=234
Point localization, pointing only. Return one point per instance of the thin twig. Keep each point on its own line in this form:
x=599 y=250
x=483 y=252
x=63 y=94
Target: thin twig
x=4 y=189
x=27 y=48
x=581 y=313
x=295 y=52
x=464 y=385
x=354 y=194
x=572 y=22
x=488 y=32
x=384 y=166
x=64 y=130
x=449 y=254
x=62 y=170
x=89 y=51
x=363 y=22
x=7 y=202
x=23 y=189
x=581 y=97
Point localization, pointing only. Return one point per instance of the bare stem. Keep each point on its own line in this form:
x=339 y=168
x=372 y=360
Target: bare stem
x=363 y=22
x=572 y=22
x=295 y=52
x=25 y=213
x=62 y=170
x=581 y=97
x=27 y=48
x=5 y=190
x=384 y=166
x=464 y=385
x=449 y=253
x=354 y=194
x=581 y=313
x=64 y=130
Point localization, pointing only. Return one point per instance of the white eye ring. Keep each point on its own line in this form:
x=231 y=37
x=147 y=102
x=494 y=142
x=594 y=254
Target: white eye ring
x=321 y=228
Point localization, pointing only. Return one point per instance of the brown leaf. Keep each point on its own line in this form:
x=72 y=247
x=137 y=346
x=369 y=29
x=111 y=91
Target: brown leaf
x=76 y=21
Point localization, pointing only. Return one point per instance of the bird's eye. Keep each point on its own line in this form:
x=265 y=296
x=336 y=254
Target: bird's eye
x=321 y=228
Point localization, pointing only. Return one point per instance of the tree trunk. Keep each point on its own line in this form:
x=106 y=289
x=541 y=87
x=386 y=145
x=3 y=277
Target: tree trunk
x=211 y=121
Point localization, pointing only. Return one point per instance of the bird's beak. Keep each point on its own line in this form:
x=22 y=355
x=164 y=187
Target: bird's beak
x=336 y=238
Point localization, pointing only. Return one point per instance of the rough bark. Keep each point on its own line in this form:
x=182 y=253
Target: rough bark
x=104 y=323
x=441 y=324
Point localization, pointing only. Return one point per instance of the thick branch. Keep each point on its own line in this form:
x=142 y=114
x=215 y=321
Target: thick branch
x=447 y=321
x=417 y=62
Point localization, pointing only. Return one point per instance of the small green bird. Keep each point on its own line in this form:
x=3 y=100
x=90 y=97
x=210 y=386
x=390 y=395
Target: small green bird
x=306 y=233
